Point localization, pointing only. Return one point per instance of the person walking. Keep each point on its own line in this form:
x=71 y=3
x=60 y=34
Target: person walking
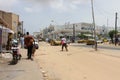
x=28 y=41
x=22 y=41
x=64 y=43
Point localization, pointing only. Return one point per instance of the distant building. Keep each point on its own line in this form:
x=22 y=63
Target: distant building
x=74 y=29
x=68 y=30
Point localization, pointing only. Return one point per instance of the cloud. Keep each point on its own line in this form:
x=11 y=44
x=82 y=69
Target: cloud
x=77 y=1
x=63 y=5
x=7 y=4
x=28 y=9
x=32 y=9
x=38 y=5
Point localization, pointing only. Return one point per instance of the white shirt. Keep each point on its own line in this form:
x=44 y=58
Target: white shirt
x=64 y=40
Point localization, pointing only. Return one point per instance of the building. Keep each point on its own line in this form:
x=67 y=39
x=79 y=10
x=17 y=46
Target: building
x=12 y=21
x=8 y=28
x=68 y=30
x=71 y=31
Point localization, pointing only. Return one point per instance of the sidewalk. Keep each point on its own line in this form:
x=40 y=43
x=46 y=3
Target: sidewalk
x=23 y=70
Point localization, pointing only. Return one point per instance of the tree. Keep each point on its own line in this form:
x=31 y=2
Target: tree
x=112 y=34
x=82 y=36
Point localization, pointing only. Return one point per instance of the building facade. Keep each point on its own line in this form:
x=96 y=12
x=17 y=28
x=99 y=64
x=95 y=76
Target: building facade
x=12 y=21
x=8 y=28
x=73 y=30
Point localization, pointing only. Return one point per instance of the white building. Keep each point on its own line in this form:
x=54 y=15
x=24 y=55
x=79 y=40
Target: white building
x=72 y=30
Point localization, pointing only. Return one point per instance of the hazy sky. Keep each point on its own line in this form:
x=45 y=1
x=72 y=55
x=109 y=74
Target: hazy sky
x=38 y=14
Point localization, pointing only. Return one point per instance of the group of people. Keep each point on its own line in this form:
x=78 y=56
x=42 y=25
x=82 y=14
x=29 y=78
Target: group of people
x=28 y=40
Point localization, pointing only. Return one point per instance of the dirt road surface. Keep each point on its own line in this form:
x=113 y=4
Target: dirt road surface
x=78 y=63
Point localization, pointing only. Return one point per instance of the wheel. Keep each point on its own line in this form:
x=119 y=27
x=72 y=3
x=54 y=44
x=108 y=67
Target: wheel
x=15 y=59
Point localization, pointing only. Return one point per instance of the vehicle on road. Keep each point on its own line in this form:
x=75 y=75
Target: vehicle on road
x=90 y=42
x=82 y=41
x=36 y=44
x=99 y=41
x=15 y=41
x=54 y=42
x=15 y=53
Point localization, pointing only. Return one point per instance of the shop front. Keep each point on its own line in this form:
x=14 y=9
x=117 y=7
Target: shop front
x=5 y=38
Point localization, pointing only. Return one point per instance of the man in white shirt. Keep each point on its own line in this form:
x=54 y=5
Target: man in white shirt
x=64 y=43
x=22 y=41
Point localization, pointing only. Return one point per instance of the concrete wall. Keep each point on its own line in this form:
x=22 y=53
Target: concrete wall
x=15 y=21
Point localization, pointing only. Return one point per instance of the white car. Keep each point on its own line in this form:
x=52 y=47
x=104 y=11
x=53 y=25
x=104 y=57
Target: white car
x=99 y=41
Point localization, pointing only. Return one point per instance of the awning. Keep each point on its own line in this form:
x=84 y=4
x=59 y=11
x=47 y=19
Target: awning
x=7 y=30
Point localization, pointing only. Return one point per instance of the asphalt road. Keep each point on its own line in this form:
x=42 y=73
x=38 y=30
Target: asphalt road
x=99 y=46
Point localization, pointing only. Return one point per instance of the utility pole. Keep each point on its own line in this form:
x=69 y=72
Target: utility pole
x=94 y=25
x=22 y=28
x=74 y=32
x=107 y=22
x=116 y=28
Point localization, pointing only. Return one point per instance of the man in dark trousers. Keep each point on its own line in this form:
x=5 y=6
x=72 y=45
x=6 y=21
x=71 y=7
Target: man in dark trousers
x=28 y=41
x=64 y=43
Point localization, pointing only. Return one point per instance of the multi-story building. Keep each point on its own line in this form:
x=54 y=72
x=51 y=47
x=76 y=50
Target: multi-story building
x=11 y=19
x=8 y=26
x=68 y=30
x=74 y=29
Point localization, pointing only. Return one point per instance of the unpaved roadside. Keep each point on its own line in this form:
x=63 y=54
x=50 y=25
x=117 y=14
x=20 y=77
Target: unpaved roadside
x=77 y=64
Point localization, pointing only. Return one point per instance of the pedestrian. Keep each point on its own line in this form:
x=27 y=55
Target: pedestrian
x=33 y=49
x=28 y=42
x=22 y=41
x=118 y=40
x=64 y=43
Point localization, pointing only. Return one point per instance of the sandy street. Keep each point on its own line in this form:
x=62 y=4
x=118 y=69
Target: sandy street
x=78 y=63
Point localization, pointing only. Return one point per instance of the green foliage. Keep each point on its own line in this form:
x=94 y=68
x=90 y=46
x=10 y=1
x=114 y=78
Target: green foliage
x=112 y=33
x=82 y=36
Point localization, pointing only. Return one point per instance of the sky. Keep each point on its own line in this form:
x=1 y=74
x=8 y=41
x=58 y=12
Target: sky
x=39 y=14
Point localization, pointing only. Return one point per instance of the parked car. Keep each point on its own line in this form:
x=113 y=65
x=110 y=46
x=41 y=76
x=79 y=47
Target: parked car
x=90 y=42
x=54 y=42
x=99 y=41
x=82 y=41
